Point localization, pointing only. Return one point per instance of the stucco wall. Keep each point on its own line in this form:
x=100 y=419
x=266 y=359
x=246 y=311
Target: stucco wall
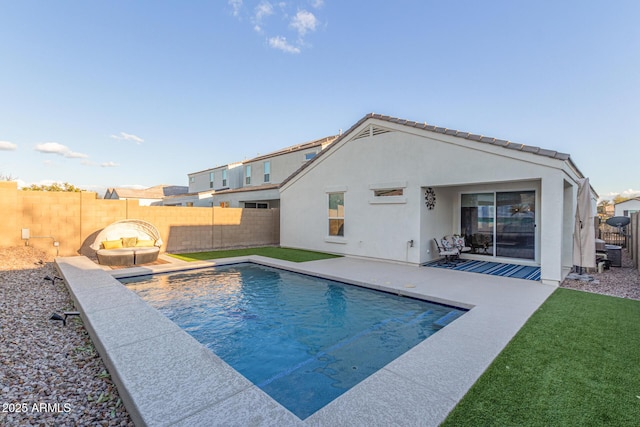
x=74 y=219
x=448 y=164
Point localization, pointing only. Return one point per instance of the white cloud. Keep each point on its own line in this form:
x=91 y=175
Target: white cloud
x=263 y=10
x=236 y=6
x=317 y=3
x=109 y=165
x=59 y=149
x=304 y=22
x=7 y=146
x=128 y=137
x=280 y=42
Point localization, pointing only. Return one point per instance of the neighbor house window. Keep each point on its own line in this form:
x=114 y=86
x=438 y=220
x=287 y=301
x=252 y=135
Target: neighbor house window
x=309 y=156
x=224 y=204
x=247 y=174
x=256 y=205
x=224 y=178
x=192 y=179
x=267 y=171
x=210 y=179
x=336 y=214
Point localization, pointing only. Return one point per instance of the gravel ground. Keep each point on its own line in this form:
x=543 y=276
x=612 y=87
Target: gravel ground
x=51 y=374
x=621 y=282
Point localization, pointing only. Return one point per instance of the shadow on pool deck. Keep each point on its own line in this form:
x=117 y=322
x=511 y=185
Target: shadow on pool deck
x=166 y=377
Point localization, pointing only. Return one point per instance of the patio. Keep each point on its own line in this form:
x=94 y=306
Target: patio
x=146 y=353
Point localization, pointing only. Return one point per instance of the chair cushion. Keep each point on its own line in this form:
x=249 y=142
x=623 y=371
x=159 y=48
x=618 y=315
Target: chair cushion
x=447 y=244
x=459 y=242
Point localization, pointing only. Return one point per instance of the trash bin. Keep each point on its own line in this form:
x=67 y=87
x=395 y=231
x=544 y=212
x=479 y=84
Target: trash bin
x=614 y=255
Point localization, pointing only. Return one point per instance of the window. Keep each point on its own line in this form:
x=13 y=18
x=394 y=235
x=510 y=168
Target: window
x=224 y=178
x=309 y=156
x=210 y=179
x=389 y=192
x=247 y=174
x=336 y=214
x=190 y=204
x=224 y=204
x=192 y=179
x=256 y=205
x=267 y=171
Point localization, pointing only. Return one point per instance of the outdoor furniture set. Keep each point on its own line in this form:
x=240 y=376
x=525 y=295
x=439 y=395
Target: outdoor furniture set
x=127 y=242
x=450 y=247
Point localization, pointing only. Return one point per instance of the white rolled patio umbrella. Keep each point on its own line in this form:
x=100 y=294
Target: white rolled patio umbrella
x=584 y=237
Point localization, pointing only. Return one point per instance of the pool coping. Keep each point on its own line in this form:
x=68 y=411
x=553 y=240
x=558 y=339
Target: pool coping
x=165 y=377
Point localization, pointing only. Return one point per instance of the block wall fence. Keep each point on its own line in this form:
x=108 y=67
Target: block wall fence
x=74 y=219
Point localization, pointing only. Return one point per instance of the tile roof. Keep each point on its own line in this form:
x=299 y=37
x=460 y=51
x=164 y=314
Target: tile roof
x=431 y=128
x=294 y=148
x=466 y=135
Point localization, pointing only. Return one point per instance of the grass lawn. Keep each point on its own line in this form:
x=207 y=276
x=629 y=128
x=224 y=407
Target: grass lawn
x=295 y=255
x=576 y=362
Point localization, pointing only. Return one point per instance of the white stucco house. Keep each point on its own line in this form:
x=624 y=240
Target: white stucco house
x=387 y=187
x=627 y=207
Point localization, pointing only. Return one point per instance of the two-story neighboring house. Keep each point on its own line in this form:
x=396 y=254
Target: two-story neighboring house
x=252 y=183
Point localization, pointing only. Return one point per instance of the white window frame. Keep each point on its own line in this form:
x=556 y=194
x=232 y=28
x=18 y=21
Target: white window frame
x=267 y=171
x=247 y=175
x=383 y=199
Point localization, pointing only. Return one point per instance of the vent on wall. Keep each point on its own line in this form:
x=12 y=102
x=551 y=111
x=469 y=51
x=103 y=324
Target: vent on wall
x=371 y=131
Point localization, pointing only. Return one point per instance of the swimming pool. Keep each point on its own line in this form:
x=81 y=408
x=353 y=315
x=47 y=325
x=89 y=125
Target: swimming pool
x=301 y=339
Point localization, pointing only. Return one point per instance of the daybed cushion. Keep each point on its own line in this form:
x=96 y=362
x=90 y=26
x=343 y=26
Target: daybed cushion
x=145 y=243
x=146 y=255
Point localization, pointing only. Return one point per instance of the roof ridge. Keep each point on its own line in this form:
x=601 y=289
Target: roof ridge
x=474 y=137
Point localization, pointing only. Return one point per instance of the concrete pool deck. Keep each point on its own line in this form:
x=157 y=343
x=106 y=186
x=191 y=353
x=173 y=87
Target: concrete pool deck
x=165 y=377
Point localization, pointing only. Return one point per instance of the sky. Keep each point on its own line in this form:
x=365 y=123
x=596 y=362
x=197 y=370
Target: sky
x=139 y=93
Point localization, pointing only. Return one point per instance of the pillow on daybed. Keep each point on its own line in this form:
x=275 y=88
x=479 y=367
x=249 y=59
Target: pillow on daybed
x=112 y=244
x=145 y=243
x=129 y=242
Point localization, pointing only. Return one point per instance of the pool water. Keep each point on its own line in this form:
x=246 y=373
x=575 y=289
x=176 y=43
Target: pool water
x=301 y=339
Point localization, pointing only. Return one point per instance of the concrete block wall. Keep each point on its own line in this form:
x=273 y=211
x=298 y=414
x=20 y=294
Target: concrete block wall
x=74 y=219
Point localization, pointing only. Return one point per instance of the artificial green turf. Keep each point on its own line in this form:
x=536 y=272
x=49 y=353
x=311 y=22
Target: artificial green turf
x=576 y=362
x=295 y=255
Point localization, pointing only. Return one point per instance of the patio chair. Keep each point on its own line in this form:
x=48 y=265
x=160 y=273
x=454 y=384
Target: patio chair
x=448 y=253
x=460 y=243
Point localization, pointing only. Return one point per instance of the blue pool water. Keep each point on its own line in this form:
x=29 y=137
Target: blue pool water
x=301 y=339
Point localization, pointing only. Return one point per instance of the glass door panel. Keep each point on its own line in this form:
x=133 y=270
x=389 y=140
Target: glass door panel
x=477 y=221
x=515 y=224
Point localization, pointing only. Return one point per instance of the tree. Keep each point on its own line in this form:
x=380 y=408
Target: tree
x=619 y=199
x=8 y=177
x=54 y=187
x=602 y=207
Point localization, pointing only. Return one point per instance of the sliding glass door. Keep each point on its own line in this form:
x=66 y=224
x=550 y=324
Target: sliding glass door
x=477 y=217
x=500 y=223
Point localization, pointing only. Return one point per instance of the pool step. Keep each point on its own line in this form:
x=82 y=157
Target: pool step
x=446 y=319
